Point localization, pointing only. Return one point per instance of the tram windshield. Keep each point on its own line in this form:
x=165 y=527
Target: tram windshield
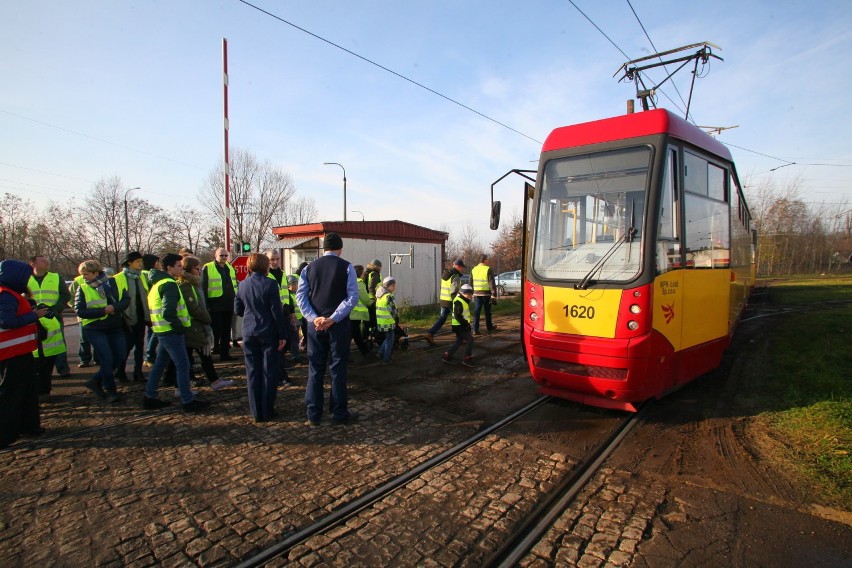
x=590 y=216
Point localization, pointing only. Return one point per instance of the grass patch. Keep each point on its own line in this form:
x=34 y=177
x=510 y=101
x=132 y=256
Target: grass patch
x=811 y=386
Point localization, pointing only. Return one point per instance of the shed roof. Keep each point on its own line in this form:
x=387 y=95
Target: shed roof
x=375 y=230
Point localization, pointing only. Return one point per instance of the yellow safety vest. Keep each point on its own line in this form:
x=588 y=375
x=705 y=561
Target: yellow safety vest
x=446 y=289
x=283 y=291
x=121 y=280
x=54 y=344
x=95 y=298
x=384 y=319
x=155 y=302
x=465 y=310
x=479 y=275
x=360 y=311
x=48 y=292
x=214 y=280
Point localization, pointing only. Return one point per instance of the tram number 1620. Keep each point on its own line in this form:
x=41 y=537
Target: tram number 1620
x=581 y=312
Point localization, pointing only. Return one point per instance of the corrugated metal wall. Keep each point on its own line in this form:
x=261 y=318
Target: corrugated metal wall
x=416 y=286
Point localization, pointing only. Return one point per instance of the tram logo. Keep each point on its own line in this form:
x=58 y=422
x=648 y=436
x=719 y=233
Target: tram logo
x=668 y=312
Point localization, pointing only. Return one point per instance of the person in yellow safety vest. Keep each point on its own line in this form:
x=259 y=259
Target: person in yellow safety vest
x=461 y=326
x=484 y=293
x=372 y=279
x=99 y=307
x=450 y=284
x=48 y=289
x=296 y=318
x=219 y=284
x=169 y=320
x=150 y=262
x=360 y=314
x=386 y=317
x=47 y=350
x=19 y=333
x=136 y=316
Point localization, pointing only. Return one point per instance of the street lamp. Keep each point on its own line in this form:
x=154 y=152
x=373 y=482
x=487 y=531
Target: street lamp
x=127 y=223
x=344 y=184
x=356 y=211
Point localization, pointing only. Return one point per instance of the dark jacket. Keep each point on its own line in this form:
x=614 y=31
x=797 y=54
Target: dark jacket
x=113 y=320
x=14 y=274
x=196 y=334
x=458 y=310
x=171 y=299
x=260 y=305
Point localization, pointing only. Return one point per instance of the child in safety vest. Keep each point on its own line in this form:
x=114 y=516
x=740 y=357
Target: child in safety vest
x=461 y=326
x=386 y=317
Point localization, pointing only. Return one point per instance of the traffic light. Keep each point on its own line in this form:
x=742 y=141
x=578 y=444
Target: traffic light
x=246 y=247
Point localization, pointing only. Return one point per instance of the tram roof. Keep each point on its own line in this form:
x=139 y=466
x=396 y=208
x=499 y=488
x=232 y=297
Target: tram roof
x=646 y=123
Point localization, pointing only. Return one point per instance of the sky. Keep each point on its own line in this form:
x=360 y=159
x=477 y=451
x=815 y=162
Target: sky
x=101 y=88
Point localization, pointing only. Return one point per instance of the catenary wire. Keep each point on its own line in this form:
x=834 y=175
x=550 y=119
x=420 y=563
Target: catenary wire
x=391 y=71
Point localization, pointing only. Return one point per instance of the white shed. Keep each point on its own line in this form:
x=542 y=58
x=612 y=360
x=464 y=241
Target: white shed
x=413 y=255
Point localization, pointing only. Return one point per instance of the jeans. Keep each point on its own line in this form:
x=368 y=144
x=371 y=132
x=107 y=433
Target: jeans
x=110 y=351
x=442 y=318
x=85 y=350
x=135 y=338
x=462 y=335
x=263 y=371
x=331 y=348
x=386 y=350
x=171 y=347
x=478 y=303
x=150 y=345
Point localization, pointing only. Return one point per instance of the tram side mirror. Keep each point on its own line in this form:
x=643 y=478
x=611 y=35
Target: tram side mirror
x=495 y=215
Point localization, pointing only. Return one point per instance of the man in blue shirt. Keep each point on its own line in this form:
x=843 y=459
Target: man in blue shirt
x=327 y=292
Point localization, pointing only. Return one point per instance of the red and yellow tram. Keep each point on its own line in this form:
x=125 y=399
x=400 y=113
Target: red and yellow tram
x=639 y=259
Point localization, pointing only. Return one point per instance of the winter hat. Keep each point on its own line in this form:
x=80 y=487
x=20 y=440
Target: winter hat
x=388 y=281
x=459 y=262
x=131 y=256
x=467 y=289
x=292 y=280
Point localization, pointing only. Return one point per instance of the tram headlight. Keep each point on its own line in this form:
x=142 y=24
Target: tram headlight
x=632 y=325
x=635 y=309
x=534 y=316
x=533 y=303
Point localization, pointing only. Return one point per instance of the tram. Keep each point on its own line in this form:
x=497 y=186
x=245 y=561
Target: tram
x=639 y=258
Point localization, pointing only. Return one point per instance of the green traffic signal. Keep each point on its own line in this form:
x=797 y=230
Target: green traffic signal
x=246 y=247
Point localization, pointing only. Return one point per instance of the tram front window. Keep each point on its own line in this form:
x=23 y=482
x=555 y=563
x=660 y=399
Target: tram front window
x=591 y=206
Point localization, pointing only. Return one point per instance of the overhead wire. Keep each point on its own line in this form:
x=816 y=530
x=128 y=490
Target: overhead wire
x=391 y=71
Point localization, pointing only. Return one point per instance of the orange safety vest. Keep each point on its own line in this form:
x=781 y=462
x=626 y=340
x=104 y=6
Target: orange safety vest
x=20 y=340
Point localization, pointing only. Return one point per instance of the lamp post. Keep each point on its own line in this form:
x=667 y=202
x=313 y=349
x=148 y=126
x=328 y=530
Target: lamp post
x=344 y=184
x=356 y=211
x=127 y=223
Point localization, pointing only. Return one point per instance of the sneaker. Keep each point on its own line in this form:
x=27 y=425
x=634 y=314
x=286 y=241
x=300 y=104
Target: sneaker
x=94 y=386
x=149 y=364
x=221 y=383
x=195 y=405
x=113 y=397
x=468 y=361
x=447 y=358
x=84 y=364
x=353 y=416
x=154 y=403
x=177 y=392
x=312 y=423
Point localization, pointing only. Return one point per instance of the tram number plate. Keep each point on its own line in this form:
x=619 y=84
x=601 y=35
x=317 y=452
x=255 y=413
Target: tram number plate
x=579 y=312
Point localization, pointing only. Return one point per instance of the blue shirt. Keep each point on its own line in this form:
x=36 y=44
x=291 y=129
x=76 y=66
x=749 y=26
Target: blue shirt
x=342 y=311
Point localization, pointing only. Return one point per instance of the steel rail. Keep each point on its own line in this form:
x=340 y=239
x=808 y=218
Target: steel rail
x=542 y=517
x=353 y=507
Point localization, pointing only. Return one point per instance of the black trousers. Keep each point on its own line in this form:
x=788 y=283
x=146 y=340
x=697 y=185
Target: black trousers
x=221 y=325
x=19 y=412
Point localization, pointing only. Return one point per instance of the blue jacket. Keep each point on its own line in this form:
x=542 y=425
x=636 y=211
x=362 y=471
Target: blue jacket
x=14 y=274
x=259 y=303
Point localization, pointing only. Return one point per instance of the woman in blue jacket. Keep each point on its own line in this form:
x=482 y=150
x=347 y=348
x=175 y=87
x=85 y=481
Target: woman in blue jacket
x=258 y=301
x=99 y=309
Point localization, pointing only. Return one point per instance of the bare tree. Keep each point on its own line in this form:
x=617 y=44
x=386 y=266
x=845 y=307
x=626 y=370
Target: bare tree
x=16 y=215
x=260 y=194
x=507 y=249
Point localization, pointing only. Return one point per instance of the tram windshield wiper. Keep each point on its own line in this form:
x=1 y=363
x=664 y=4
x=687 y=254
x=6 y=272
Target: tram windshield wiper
x=628 y=236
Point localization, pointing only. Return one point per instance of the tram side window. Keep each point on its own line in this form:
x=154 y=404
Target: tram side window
x=694 y=174
x=668 y=249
